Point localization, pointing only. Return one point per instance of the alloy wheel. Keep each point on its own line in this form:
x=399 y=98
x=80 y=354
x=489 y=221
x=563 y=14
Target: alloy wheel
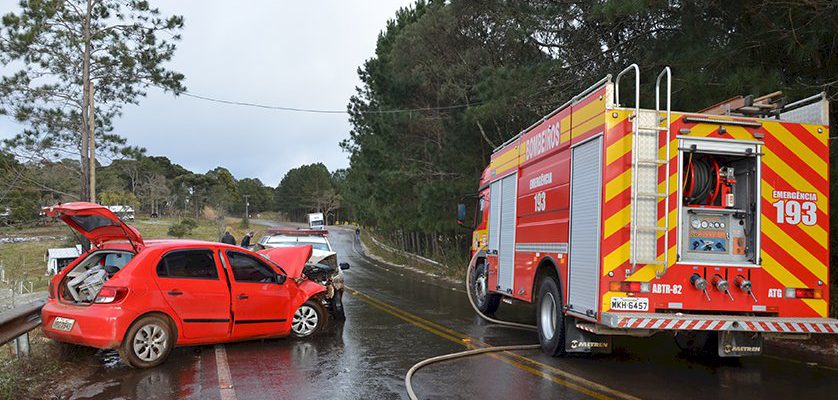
x=305 y=320
x=150 y=342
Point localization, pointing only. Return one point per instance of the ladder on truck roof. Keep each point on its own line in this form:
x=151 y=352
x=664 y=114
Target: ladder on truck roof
x=646 y=160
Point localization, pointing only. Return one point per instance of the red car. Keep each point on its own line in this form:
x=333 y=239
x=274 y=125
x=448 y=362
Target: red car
x=145 y=297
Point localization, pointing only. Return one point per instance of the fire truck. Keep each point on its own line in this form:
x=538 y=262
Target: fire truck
x=618 y=220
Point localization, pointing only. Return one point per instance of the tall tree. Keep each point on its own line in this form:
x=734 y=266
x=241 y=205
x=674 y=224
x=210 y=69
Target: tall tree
x=67 y=55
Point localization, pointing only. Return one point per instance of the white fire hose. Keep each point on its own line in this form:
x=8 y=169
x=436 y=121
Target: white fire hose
x=409 y=376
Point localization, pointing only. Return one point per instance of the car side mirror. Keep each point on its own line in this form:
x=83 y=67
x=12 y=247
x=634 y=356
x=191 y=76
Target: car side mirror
x=461 y=214
x=280 y=279
x=344 y=266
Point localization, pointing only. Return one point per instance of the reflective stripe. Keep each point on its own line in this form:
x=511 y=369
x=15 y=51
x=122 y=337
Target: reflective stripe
x=541 y=247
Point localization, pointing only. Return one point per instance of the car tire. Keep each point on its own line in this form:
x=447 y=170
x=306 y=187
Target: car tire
x=309 y=320
x=148 y=342
x=486 y=302
x=550 y=317
x=337 y=306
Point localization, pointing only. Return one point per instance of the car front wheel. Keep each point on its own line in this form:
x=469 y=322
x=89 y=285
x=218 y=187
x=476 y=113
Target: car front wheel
x=308 y=320
x=148 y=342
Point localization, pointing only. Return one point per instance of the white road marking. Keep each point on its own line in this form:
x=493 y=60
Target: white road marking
x=225 y=380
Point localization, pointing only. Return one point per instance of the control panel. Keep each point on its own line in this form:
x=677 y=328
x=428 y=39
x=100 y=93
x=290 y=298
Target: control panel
x=715 y=235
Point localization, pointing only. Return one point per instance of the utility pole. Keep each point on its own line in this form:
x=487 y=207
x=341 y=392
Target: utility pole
x=247 y=210
x=92 y=146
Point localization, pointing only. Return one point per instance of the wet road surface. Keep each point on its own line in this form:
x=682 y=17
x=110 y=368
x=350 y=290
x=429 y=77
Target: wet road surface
x=396 y=317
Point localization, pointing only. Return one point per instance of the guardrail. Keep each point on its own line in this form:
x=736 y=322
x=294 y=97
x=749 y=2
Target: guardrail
x=16 y=323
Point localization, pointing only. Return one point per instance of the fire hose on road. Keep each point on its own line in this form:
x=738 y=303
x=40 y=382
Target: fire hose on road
x=445 y=357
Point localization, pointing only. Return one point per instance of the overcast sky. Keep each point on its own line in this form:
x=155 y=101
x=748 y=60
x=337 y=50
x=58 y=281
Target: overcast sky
x=291 y=53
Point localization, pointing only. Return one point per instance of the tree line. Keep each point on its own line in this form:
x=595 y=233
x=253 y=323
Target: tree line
x=156 y=185
x=476 y=72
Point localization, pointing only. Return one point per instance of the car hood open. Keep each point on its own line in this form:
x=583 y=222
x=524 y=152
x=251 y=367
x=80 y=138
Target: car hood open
x=95 y=222
x=291 y=258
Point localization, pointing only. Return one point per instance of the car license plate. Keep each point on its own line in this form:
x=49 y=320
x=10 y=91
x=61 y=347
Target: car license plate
x=63 y=324
x=630 y=303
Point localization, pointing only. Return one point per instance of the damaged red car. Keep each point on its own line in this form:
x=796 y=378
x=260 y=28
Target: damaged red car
x=145 y=297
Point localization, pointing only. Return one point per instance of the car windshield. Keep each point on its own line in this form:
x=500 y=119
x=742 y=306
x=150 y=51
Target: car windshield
x=314 y=245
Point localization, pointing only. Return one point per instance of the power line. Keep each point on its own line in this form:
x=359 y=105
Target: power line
x=323 y=111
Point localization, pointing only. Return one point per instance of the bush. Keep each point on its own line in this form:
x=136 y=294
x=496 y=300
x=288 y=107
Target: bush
x=190 y=223
x=182 y=228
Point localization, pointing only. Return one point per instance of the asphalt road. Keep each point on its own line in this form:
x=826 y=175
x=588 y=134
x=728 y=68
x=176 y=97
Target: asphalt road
x=397 y=317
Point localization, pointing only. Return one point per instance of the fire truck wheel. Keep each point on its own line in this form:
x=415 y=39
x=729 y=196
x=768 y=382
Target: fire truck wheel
x=549 y=317
x=696 y=343
x=486 y=302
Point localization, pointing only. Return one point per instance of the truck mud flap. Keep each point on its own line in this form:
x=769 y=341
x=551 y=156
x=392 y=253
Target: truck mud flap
x=579 y=341
x=739 y=344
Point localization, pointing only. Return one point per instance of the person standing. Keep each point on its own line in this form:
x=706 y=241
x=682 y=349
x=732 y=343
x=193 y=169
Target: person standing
x=228 y=239
x=246 y=240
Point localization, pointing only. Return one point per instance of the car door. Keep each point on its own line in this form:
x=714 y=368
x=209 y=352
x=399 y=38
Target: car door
x=260 y=302
x=196 y=288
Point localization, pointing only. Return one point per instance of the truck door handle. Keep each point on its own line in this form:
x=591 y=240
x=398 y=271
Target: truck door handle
x=242 y=297
x=175 y=292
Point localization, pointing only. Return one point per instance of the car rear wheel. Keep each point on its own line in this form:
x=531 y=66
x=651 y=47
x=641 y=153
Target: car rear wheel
x=308 y=320
x=148 y=342
x=486 y=302
x=549 y=317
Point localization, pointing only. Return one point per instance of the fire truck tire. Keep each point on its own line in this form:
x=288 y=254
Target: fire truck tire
x=696 y=343
x=486 y=302
x=549 y=317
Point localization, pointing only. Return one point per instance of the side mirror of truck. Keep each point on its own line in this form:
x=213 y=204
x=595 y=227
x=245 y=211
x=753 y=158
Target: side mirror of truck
x=344 y=266
x=461 y=214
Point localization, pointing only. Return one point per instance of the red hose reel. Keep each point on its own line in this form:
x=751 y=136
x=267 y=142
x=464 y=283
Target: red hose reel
x=706 y=183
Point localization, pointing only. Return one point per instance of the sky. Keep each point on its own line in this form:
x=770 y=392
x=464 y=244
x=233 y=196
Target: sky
x=302 y=54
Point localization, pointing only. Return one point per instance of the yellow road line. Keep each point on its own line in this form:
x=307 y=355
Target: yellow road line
x=556 y=375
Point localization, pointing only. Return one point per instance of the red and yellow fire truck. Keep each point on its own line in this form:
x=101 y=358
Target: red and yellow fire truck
x=620 y=220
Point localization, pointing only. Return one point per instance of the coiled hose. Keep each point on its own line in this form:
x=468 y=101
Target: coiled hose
x=409 y=376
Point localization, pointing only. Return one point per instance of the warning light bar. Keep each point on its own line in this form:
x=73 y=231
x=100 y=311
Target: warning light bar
x=630 y=287
x=804 y=293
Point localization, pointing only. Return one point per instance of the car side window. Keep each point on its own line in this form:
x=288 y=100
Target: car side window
x=249 y=269
x=194 y=264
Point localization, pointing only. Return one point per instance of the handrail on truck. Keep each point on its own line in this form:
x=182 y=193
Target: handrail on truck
x=634 y=129
x=668 y=72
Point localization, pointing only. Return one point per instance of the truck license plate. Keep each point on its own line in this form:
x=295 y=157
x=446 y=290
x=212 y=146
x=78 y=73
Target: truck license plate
x=630 y=303
x=63 y=324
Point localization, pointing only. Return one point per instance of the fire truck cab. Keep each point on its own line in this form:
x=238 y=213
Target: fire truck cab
x=619 y=220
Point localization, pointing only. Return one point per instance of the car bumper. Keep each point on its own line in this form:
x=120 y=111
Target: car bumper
x=100 y=326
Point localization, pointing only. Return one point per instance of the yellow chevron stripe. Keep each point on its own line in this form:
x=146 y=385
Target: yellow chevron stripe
x=611 y=122
x=617 y=221
x=617 y=185
x=791 y=176
x=773 y=268
x=797 y=147
x=616 y=258
x=617 y=149
x=810 y=262
x=505 y=161
x=644 y=274
x=822 y=137
x=819 y=305
x=816 y=232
